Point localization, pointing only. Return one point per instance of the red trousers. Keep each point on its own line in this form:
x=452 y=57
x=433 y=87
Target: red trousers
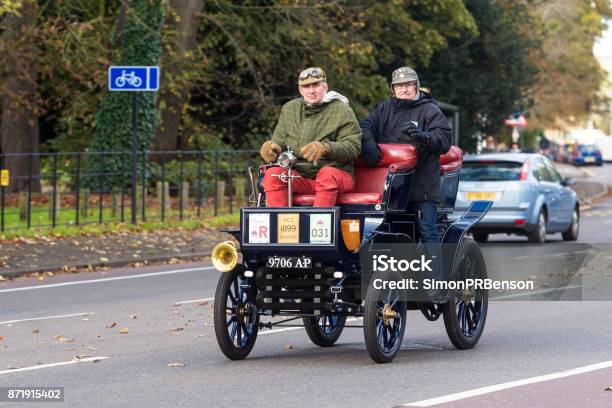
x=329 y=183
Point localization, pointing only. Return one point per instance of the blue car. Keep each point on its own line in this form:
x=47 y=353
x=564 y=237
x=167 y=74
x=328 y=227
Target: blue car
x=586 y=154
x=529 y=196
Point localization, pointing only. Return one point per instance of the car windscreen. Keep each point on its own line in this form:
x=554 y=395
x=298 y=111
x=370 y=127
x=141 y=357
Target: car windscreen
x=488 y=170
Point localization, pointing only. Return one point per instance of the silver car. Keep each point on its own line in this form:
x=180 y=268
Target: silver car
x=529 y=196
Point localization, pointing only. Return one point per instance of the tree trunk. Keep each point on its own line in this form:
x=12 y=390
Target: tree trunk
x=19 y=124
x=183 y=21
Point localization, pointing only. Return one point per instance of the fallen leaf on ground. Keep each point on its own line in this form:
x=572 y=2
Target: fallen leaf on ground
x=177 y=304
x=103 y=259
x=125 y=330
x=175 y=312
x=289 y=347
x=35 y=331
x=608 y=389
x=80 y=357
x=203 y=303
x=111 y=325
x=12 y=368
x=2 y=278
x=177 y=329
x=2 y=338
x=133 y=317
x=176 y=365
x=63 y=339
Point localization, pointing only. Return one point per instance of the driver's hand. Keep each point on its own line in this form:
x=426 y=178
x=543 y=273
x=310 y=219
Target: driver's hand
x=313 y=151
x=269 y=151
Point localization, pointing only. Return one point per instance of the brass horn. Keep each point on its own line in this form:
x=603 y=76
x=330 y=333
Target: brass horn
x=224 y=256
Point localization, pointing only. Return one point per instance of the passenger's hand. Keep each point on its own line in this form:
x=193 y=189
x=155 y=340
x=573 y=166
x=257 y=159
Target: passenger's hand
x=409 y=133
x=370 y=151
x=313 y=151
x=269 y=151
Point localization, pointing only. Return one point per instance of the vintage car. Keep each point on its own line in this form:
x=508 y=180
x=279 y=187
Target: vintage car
x=303 y=262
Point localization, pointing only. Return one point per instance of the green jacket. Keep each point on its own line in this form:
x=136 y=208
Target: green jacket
x=333 y=123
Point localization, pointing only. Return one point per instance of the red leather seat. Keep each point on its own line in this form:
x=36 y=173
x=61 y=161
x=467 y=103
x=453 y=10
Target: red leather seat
x=370 y=181
x=451 y=161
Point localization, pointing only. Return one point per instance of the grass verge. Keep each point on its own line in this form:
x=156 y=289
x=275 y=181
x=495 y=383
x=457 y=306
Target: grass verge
x=62 y=231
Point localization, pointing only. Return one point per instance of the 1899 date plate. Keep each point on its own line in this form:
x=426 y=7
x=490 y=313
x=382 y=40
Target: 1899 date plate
x=289 y=262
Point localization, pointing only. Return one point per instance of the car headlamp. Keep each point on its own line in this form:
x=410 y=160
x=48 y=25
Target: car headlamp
x=286 y=159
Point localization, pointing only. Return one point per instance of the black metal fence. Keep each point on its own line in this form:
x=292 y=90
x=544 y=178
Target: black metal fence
x=95 y=187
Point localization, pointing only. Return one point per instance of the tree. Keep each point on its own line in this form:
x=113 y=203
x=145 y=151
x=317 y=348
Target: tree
x=18 y=91
x=252 y=51
x=177 y=68
x=570 y=74
x=487 y=76
x=139 y=44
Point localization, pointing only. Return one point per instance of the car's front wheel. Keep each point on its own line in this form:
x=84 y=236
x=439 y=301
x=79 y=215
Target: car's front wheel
x=572 y=232
x=538 y=235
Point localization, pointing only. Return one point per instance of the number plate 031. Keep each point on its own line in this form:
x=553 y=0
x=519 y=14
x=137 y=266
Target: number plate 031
x=320 y=229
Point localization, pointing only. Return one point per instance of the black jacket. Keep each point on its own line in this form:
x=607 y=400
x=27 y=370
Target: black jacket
x=384 y=124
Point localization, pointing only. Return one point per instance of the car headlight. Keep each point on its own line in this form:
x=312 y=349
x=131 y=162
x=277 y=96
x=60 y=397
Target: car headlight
x=286 y=159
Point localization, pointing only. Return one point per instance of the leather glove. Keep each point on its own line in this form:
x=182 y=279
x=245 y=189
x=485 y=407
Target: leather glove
x=371 y=153
x=313 y=151
x=269 y=151
x=409 y=133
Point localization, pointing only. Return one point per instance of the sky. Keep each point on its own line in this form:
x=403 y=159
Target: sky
x=603 y=47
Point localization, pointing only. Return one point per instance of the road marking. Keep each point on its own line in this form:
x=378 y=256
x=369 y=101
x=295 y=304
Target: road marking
x=116 y=278
x=63 y=363
x=535 y=292
x=298 y=328
x=46 y=317
x=511 y=384
x=184 y=302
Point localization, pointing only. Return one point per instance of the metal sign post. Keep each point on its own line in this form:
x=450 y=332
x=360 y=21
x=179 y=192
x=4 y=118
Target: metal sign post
x=134 y=79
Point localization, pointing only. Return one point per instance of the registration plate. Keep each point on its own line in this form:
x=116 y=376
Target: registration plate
x=481 y=195
x=289 y=262
x=589 y=159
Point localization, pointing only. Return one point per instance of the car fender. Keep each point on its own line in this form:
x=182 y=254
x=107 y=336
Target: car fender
x=539 y=203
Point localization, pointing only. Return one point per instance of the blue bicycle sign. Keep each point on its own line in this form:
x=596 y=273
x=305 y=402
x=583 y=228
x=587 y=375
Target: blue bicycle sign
x=140 y=78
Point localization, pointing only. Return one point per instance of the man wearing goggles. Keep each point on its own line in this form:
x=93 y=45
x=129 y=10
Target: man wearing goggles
x=322 y=129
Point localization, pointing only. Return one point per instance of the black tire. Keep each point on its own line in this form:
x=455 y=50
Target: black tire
x=383 y=337
x=538 y=235
x=235 y=315
x=481 y=236
x=574 y=229
x=465 y=314
x=324 y=331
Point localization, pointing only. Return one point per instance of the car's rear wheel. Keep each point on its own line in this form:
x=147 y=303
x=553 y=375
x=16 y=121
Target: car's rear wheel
x=481 y=236
x=538 y=235
x=466 y=312
x=324 y=331
x=572 y=232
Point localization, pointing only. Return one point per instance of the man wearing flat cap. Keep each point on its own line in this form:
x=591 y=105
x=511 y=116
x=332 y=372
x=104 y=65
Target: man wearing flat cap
x=321 y=128
x=412 y=116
